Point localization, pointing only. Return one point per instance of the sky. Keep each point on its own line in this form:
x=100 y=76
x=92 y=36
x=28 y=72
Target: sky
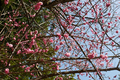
x=110 y=74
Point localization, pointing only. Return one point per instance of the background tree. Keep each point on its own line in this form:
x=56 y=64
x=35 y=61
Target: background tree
x=52 y=39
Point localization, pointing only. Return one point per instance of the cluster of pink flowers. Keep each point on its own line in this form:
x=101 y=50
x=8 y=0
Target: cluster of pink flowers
x=103 y=56
x=28 y=51
x=59 y=35
x=1 y=38
x=107 y=4
x=57 y=47
x=38 y=5
x=58 y=78
x=6 y=70
x=66 y=35
x=9 y=45
x=19 y=51
x=91 y=55
x=67 y=54
x=27 y=69
x=6 y=2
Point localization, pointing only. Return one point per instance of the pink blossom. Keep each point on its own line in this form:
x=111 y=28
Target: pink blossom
x=46 y=16
x=17 y=78
x=29 y=51
x=1 y=38
x=16 y=24
x=59 y=35
x=45 y=41
x=106 y=56
x=56 y=78
x=32 y=15
x=57 y=67
x=36 y=50
x=61 y=43
x=51 y=40
x=109 y=26
x=103 y=56
x=66 y=35
x=67 y=54
x=60 y=78
x=10 y=45
x=91 y=55
x=112 y=43
x=6 y=70
x=107 y=4
x=6 y=2
x=57 y=47
x=53 y=68
x=70 y=48
x=109 y=14
x=36 y=32
x=43 y=50
x=23 y=66
x=34 y=36
x=101 y=64
x=31 y=74
x=46 y=50
x=110 y=64
x=115 y=76
x=117 y=31
x=27 y=69
x=19 y=51
x=31 y=33
x=32 y=42
x=38 y=5
x=14 y=38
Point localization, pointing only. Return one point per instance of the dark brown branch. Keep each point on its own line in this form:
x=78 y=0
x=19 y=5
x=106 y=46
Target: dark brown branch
x=53 y=3
x=73 y=72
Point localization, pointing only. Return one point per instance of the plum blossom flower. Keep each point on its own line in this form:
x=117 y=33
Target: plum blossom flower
x=57 y=47
x=66 y=35
x=29 y=51
x=70 y=48
x=14 y=38
x=117 y=31
x=16 y=78
x=109 y=14
x=27 y=69
x=56 y=78
x=53 y=68
x=32 y=15
x=23 y=66
x=60 y=78
x=10 y=45
x=59 y=35
x=36 y=32
x=38 y=5
x=1 y=38
x=51 y=40
x=6 y=70
x=67 y=54
x=6 y=2
x=91 y=55
x=107 y=4
x=57 y=67
x=19 y=51
x=61 y=42
x=115 y=76
x=103 y=56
